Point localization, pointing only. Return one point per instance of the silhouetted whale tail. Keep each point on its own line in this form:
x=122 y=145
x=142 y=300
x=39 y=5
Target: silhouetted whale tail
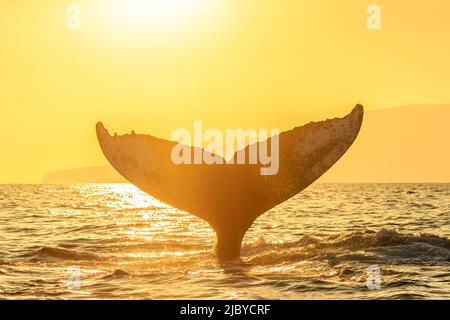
x=231 y=197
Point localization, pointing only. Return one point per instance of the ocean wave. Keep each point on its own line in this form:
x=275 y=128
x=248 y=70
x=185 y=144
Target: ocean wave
x=117 y=274
x=58 y=254
x=385 y=245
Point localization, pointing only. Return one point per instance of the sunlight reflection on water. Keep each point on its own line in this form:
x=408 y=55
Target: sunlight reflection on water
x=319 y=244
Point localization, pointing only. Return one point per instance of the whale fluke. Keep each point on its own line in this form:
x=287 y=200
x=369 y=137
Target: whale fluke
x=231 y=197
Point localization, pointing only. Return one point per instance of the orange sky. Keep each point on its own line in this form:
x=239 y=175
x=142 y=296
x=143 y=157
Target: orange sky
x=230 y=63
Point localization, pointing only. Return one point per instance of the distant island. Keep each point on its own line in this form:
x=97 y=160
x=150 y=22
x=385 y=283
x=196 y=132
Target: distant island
x=406 y=144
x=403 y=144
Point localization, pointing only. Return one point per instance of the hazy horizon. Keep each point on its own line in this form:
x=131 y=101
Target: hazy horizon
x=369 y=160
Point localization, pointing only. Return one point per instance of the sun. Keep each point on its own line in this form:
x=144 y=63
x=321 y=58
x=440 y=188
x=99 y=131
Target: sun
x=160 y=13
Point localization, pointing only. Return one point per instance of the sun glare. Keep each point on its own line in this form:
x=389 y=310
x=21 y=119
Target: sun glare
x=160 y=13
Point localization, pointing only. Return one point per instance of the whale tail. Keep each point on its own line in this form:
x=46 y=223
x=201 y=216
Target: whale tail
x=231 y=197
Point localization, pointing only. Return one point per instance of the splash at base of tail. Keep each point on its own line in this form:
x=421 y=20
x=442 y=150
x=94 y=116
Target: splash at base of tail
x=231 y=197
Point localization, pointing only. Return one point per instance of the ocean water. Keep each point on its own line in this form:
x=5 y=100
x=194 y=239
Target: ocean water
x=332 y=241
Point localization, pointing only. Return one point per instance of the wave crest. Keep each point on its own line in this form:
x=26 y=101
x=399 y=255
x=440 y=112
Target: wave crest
x=368 y=245
x=57 y=253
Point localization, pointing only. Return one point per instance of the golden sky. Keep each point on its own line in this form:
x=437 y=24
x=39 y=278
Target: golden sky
x=230 y=63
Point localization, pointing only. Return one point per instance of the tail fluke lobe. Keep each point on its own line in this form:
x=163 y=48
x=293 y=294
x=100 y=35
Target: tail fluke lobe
x=231 y=197
x=306 y=153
